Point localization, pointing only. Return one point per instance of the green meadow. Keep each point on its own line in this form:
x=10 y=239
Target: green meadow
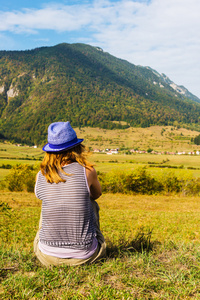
x=152 y=251
x=152 y=240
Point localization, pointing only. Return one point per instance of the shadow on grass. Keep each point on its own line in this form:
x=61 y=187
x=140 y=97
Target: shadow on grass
x=6 y=270
x=140 y=243
x=27 y=261
x=16 y=261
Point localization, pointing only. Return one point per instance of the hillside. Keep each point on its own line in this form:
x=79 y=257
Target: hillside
x=87 y=86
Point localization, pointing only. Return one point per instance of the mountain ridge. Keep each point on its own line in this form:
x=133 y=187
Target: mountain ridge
x=178 y=88
x=88 y=87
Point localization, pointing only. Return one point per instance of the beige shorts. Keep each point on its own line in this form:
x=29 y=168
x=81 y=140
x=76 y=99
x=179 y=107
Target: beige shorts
x=48 y=260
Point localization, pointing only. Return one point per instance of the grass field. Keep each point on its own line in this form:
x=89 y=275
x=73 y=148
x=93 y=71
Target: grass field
x=166 y=138
x=158 y=138
x=162 y=265
x=152 y=241
x=106 y=163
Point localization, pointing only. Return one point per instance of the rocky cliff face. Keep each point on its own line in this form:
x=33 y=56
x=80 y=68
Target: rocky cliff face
x=12 y=92
x=177 y=88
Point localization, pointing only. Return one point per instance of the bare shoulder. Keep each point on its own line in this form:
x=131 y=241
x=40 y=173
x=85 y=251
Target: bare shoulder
x=91 y=175
x=93 y=183
x=91 y=172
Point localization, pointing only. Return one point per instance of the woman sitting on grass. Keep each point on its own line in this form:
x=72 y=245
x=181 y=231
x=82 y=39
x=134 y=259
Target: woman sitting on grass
x=67 y=184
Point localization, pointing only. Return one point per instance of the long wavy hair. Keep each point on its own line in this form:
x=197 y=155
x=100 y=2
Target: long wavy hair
x=51 y=166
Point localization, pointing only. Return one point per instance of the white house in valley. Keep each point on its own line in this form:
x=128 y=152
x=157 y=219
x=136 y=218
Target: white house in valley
x=112 y=151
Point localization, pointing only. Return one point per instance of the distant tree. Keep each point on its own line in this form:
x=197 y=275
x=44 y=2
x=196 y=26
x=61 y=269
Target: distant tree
x=149 y=150
x=2 y=137
x=197 y=140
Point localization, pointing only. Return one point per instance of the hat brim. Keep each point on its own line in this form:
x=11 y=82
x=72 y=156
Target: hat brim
x=59 y=148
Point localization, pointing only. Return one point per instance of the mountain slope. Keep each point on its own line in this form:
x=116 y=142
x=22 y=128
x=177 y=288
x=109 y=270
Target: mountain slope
x=86 y=86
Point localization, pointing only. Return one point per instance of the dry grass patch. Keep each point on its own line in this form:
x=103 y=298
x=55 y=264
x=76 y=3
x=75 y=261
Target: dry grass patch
x=20 y=199
x=170 y=218
x=166 y=138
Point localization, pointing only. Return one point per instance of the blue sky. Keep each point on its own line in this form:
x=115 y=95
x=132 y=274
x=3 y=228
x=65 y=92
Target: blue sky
x=162 y=34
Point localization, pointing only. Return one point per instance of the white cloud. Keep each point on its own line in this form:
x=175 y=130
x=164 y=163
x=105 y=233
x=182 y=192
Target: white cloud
x=163 y=34
x=47 y=18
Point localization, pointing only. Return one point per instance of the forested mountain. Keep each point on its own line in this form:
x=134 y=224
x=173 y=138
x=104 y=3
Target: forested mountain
x=88 y=87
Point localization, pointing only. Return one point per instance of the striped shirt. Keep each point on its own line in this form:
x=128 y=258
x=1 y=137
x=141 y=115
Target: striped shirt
x=68 y=219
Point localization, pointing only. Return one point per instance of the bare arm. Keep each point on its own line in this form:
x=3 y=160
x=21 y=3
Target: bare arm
x=93 y=182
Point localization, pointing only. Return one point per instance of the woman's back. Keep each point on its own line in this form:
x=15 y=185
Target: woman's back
x=67 y=215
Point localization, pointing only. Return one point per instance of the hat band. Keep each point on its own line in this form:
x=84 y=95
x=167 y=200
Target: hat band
x=64 y=145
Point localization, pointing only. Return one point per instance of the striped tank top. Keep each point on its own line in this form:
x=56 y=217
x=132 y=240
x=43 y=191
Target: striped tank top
x=68 y=219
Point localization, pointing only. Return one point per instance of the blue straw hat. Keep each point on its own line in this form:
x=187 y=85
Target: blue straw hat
x=61 y=136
